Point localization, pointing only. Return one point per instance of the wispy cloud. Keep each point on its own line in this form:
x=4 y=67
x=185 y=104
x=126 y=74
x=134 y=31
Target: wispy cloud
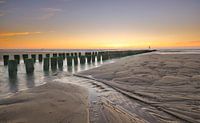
x=51 y=10
x=49 y=13
x=8 y=34
x=2 y=1
x=2 y=13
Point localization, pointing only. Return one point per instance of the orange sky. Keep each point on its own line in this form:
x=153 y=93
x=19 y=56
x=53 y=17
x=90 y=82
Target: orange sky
x=94 y=41
x=78 y=24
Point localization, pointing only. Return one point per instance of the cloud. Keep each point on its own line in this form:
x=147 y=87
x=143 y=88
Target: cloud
x=49 y=13
x=51 y=10
x=2 y=13
x=2 y=1
x=9 y=34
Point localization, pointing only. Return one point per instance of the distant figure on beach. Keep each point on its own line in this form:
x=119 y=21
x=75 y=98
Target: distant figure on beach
x=149 y=47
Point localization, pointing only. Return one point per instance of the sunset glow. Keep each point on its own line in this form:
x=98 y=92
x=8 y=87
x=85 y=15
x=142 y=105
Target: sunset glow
x=74 y=24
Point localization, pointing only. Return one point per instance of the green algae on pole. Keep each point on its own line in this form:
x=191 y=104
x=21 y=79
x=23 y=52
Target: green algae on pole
x=47 y=55
x=98 y=57
x=29 y=64
x=79 y=54
x=63 y=54
x=55 y=55
x=54 y=63
x=67 y=54
x=75 y=60
x=17 y=58
x=82 y=59
x=40 y=57
x=75 y=54
x=105 y=56
x=69 y=60
x=25 y=56
x=12 y=68
x=93 y=58
x=46 y=64
x=33 y=56
x=5 y=59
x=88 y=56
x=60 y=62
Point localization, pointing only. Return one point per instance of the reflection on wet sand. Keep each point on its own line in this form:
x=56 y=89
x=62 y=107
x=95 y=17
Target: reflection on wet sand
x=39 y=77
x=30 y=80
x=13 y=84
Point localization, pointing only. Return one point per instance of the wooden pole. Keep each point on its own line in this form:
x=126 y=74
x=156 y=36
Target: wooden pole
x=46 y=64
x=60 y=62
x=33 y=56
x=40 y=57
x=12 y=68
x=47 y=55
x=69 y=60
x=75 y=60
x=17 y=58
x=5 y=59
x=54 y=63
x=82 y=59
x=29 y=64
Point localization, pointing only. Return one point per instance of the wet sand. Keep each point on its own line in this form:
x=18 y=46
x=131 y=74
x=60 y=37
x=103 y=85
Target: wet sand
x=49 y=103
x=168 y=82
x=64 y=100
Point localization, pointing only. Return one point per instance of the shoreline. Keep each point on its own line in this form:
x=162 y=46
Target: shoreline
x=159 y=80
x=134 y=76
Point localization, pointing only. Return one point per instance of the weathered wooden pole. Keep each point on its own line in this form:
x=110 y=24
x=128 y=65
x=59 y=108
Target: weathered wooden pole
x=69 y=60
x=93 y=58
x=40 y=57
x=75 y=54
x=60 y=55
x=72 y=54
x=55 y=55
x=47 y=55
x=88 y=58
x=60 y=62
x=46 y=64
x=82 y=59
x=25 y=56
x=33 y=56
x=29 y=64
x=54 y=63
x=12 y=68
x=67 y=54
x=75 y=60
x=98 y=57
x=5 y=59
x=63 y=56
x=79 y=54
x=17 y=58
x=105 y=56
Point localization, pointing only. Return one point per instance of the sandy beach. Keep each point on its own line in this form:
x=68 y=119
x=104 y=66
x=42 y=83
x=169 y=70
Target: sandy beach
x=157 y=88
x=49 y=103
x=60 y=102
x=169 y=82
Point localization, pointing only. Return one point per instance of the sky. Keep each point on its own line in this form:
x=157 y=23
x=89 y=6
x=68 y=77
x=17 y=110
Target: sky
x=96 y=24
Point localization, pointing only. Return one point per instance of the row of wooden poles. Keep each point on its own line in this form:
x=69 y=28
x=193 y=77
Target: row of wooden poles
x=56 y=61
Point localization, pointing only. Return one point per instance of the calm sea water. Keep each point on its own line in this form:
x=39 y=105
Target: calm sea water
x=23 y=81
